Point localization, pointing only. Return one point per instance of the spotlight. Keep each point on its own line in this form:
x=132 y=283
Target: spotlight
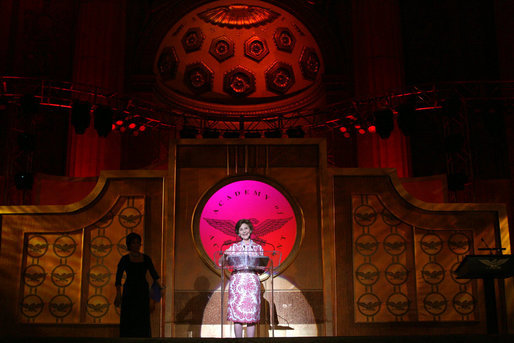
x=210 y=133
x=343 y=129
x=142 y=128
x=119 y=122
x=253 y=134
x=188 y=132
x=346 y=135
x=406 y=118
x=231 y=134
x=372 y=129
x=384 y=122
x=103 y=120
x=295 y=132
x=80 y=117
x=132 y=126
x=273 y=134
x=23 y=180
x=361 y=131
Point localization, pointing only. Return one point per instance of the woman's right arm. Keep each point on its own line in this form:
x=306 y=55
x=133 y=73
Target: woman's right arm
x=119 y=274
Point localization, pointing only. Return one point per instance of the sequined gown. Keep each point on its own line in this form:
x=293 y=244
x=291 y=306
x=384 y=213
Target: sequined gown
x=244 y=290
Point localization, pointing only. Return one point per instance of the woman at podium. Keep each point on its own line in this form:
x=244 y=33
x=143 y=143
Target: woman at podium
x=244 y=289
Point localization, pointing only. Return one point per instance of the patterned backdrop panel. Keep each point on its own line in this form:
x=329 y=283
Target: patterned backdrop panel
x=405 y=273
x=383 y=287
x=441 y=296
x=51 y=278
x=69 y=277
x=106 y=245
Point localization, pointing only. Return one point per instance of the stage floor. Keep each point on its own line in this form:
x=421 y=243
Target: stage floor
x=342 y=339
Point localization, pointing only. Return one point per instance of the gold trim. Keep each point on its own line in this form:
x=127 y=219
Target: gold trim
x=100 y=186
x=298 y=212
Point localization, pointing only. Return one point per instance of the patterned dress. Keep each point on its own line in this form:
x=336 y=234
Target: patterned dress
x=244 y=288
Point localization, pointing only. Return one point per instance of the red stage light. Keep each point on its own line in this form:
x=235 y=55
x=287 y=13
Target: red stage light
x=347 y=134
x=132 y=126
x=123 y=129
x=372 y=129
x=113 y=127
x=119 y=122
x=362 y=131
x=142 y=128
x=343 y=129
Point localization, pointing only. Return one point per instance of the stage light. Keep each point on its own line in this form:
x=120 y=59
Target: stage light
x=113 y=127
x=384 y=122
x=372 y=129
x=273 y=134
x=406 y=118
x=123 y=129
x=26 y=142
x=343 y=129
x=210 y=133
x=295 y=132
x=23 y=180
x=132 y=126
x=188 y=132
x=361 y=131
x=103 y=120
x=231 y=134
x=142 y=128
x=119 y=122
x=346 y=134
x=80 y=116
x=253 y=134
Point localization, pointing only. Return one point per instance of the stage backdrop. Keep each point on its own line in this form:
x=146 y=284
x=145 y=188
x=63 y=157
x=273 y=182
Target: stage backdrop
x=357 y=254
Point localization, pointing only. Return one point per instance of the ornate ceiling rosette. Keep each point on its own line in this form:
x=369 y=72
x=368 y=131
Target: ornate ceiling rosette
x=256 y=48
x=280 y=77
x=239 y=82
x=193 y=39
x=310 y=63
x=239 y=16
x=198 y=77
x=168 y=63
x=222 y=48
x=255 y=53
x=284 y=39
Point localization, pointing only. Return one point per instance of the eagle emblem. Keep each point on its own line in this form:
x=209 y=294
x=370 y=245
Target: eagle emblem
x=227 y=226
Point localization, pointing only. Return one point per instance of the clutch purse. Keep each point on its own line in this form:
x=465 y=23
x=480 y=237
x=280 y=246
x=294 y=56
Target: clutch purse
x=155 y=292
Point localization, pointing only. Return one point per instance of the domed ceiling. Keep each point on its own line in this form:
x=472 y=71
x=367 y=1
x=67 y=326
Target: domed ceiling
x=237 y=59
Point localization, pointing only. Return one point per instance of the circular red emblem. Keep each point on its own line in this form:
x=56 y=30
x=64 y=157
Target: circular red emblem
x=277 y=219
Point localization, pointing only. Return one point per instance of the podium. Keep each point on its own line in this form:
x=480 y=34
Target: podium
x=261 y=264
x=487 y=268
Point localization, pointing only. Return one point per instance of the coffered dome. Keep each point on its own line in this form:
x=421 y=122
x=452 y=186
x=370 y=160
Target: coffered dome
x=245 y=58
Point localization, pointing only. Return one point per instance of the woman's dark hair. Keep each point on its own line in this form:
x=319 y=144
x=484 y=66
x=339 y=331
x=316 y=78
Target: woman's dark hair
x=132 y=237
x=241 y=222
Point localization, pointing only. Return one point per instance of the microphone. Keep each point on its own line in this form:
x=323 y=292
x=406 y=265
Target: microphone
x=265 y=242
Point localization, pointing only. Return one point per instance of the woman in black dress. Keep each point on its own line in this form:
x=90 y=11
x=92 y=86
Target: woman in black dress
x=135 y=300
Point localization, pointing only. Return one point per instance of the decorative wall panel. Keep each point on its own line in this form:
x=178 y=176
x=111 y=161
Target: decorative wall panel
x=405 y=273
x=69 y=277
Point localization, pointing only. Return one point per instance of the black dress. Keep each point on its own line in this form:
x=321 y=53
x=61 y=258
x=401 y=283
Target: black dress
x=135 y=300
